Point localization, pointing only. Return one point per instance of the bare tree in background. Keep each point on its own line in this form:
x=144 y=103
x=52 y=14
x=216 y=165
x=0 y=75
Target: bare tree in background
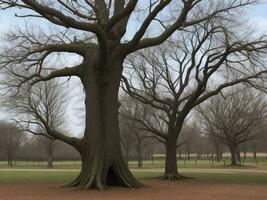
x=97 y=32
x=193 y=66
x=126 y=138
x=11 y=138
x=189 y=137
x=49 y=146
x=216 y=143
x=40 y=110
x=132 y=113
x=234 y=119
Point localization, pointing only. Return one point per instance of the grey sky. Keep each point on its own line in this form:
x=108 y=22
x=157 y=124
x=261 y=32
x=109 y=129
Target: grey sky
x=257 y=15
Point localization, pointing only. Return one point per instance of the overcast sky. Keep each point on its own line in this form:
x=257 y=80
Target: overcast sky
x=257 y=15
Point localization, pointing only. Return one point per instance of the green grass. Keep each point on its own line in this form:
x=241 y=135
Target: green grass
x=10 y=177
x=42 y=165
x=66 y=177
x=230 y=178
x=50 y=176
x=190 y=164
x=147 y=164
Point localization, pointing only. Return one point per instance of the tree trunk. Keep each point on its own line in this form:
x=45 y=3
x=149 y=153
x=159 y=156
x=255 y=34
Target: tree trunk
x=255 y=155
x=10 y=163
x=102 y=161
x=139 y=155
x=180 y=155
x=140 y=161
x=50 y=161
x=218 y=153
x=245 y=154
x=10 y=160
x=238 y=157
x=171 y=161
x=233 y=156
x=127 y=154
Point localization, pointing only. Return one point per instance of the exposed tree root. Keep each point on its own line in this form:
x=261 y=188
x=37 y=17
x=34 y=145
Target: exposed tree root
x=174 y=177
x=116 y=174
x=235 y=164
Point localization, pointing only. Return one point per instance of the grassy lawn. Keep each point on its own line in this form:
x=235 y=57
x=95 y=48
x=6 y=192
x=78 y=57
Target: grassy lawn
x=66 y=177
x=190 y=164
x=22 y=176
x=230 y=178
x=10 y=177
x=146 y=164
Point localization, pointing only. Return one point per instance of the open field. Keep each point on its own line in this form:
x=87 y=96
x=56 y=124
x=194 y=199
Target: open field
x=46 y=185
x=157 y=163
x=64 y=176
x=209 y=182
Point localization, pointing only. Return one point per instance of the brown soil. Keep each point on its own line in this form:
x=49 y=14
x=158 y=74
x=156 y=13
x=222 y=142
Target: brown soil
x=156 y=190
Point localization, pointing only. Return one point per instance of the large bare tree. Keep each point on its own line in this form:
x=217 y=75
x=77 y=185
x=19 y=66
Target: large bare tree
x=234 y=120
x=40 y=110
x=11 y=138
x=196 y=64
x=102 y=34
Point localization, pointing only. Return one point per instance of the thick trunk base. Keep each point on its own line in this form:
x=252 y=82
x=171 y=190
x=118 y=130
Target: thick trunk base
x=235 y=164
x=10 y=163
x=234 y=156
x=113 y=174
x=50 y=164
x=174 y=177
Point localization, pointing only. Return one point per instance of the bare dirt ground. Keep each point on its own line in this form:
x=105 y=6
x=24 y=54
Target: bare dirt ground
x=155 y=190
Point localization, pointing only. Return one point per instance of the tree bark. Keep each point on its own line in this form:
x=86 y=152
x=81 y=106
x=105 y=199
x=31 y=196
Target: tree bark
x=218 y=153
x=233 y=156
x=50 y=161
x=254 y=154
x=238 y=156
x=10 y=160
x=171 y=172
x=139 y=155
x=102 y=161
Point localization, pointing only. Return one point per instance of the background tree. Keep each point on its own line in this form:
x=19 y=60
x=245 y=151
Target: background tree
x=132 y=113
x=49 y=146
x=234 y=120
x=217 y=146
x=31 y=151
x=195 y=65
x=126 y=138
x=40 y=110
x=96 y=31
x=11 y=139
x=190 y=139
x=215 y=142
x=259 y=143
